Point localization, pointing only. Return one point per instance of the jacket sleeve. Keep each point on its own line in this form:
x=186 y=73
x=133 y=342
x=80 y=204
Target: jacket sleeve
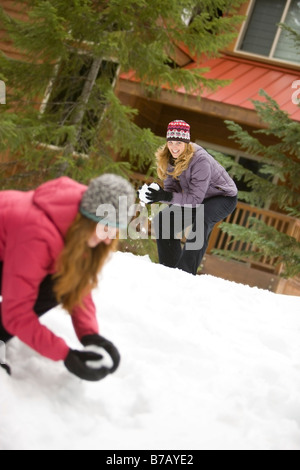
x=25 y=265
x=198 y=185
x=84 y=318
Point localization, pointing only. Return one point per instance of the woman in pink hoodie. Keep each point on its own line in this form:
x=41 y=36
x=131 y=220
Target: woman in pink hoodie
x=53 y=243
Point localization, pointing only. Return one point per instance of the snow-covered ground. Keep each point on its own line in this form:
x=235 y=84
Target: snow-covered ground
x=206 y=364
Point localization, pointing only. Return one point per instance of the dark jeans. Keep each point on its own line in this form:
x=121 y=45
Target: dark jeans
x=189 y=257
x=46 y=301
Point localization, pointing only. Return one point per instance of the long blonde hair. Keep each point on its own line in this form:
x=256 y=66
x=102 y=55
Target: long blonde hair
x=79 y=265
x=163 y=159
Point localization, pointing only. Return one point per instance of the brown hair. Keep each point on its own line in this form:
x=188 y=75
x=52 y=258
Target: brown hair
x=79 y=265
x=163 y=156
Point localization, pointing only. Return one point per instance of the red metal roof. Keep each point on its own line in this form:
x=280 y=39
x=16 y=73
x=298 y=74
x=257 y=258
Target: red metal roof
x=248 y=78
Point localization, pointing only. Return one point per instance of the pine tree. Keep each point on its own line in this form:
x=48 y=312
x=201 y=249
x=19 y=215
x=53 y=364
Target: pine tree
x=62 y=115
x=281 y=160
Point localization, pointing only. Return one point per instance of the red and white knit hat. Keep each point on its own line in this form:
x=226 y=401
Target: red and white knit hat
x=179 y=131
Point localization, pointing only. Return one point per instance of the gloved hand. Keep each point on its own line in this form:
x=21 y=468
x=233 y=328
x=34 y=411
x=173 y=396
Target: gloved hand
x=6 y=367
x=80 y=363
x=157 y=195
x=143 y=191
x=96 y=343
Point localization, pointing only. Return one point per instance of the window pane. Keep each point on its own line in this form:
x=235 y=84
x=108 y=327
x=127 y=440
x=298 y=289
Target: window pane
x=286 y=48
x=68 y=86
x=262 y=27
x=66 y=94
x=255 y=166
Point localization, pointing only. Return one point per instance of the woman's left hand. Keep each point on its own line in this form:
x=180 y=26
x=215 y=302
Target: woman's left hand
x=158 y=195
x=95 y=343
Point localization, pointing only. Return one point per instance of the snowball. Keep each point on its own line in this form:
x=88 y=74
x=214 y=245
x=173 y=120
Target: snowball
x=106 y=360
x=145 y=188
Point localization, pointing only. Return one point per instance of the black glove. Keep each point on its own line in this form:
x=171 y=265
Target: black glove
x=158 y=195
x=6 y=367
x=76 y=363
x=100 y=342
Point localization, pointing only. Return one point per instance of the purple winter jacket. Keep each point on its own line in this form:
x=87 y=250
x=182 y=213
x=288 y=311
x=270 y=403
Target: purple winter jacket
x=204 y=178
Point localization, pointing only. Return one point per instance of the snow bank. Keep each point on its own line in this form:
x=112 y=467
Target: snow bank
x=206 y=364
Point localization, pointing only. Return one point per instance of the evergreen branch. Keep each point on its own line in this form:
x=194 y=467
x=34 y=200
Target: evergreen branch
x=58 y=42
x=294 y=35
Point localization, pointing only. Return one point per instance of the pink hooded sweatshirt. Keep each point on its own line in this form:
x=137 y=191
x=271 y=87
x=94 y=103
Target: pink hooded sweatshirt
x=33 y=226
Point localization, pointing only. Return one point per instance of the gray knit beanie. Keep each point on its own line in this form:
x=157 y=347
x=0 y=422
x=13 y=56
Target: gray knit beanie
x=107 y=200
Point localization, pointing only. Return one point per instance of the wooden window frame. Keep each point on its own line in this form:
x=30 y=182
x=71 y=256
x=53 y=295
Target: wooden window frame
x=49 y=89
x=270 y=57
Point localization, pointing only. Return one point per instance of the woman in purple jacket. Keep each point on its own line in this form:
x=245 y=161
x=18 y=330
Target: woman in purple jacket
x=192 y=179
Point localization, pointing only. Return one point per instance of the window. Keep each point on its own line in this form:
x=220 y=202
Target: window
x=262 y=35
x=253 y=165
x=249 y=162
x=189 y=15
x=65 y=93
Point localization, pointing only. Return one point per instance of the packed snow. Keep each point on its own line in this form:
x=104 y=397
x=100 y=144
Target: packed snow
x=144 y=190
x=206 y=364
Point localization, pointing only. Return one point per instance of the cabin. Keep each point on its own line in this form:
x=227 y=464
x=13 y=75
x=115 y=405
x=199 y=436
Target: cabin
x=261 y=57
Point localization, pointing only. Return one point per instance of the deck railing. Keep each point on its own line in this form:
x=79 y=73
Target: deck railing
x=283 y=223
